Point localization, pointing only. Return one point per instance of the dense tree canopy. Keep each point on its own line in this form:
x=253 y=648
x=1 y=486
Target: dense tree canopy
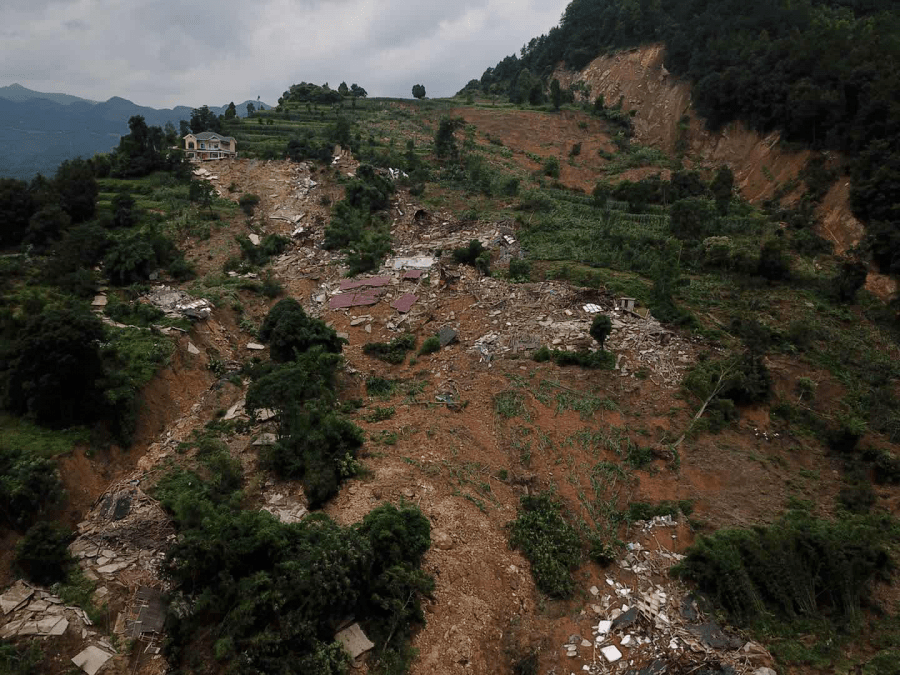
x=55 y=372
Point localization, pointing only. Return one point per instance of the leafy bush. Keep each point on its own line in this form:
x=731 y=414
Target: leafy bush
x=391 y=352
x=476 y=255
x=430 y=346
x=519 y=270
x=550 y=544
x=289 y=331
x=799 y=566
x=42 y=555
x=774 y=261
x=248 y=203
x=551 y=167
x=28 y=486
x=320 y=450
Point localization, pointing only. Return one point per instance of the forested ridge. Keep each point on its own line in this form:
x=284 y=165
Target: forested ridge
x=823 y=72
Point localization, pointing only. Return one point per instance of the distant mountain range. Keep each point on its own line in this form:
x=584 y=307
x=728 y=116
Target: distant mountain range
x=38 y=130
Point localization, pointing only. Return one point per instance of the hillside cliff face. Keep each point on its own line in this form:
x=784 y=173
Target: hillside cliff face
x=661 y=100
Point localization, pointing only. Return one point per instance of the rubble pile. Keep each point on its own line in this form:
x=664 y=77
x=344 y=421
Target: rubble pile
x=652 y=625
x=178 y=304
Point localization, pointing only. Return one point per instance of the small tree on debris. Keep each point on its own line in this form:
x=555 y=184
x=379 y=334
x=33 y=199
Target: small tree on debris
x=601 y=327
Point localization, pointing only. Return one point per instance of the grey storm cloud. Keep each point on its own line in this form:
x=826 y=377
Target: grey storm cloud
x=190 y=52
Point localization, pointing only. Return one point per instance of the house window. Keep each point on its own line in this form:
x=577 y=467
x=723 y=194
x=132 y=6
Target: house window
x=203 y=146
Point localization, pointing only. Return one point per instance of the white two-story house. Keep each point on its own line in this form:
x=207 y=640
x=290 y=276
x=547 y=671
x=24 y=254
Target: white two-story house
x=209 y=145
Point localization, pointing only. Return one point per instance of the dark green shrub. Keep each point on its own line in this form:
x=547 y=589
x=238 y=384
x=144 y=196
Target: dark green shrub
x=476 y=255
x=248 y=203
x=320 y=450
x=799 y=566
x=850 y=279
x=42 y=555
x=379 y=386
x=846 y=435
x=584 y=358
x=601 y=327
x=55 y=372
x=551 y=167
x=430 y=346
x=289 y=331
x=123 y=211
x=774 y=261
x=520 y=270
x=693 y=218
x=391 y=352
x=397 y=535
x=28 y=486
x=366 y=253
x=550 y=544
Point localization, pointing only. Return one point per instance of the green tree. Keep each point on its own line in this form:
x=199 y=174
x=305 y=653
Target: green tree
x=851 y=277
x=601 y=327
x=230 y=111
x=692 y=218
x=43 y=555
x=16 y=209
x=55 y=371
x=722 y=188
x=29 y=485
x=202 y=193
x=250 y=109
x=204 y=119
x=418 y=91
x=290 y=331
x=556 y=94
x=444 y=140
x=77 y=188
x=123 y=210
x=343 y=89
x=46 y=225
x=358 y=92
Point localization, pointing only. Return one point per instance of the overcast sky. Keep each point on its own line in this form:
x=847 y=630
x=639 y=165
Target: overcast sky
x=162 y=53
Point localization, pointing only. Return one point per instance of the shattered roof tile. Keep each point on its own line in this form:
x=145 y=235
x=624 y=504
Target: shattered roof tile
x=405 y=302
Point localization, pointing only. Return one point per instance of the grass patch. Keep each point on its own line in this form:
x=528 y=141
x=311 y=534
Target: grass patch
x=509 y=404
x=35 y=440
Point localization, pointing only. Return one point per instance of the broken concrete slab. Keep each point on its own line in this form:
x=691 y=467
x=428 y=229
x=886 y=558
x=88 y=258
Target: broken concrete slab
x=592 y=309
x=447 y=336
x=405 y=302
x=99 y=301
x=254 y=239
x=151 y=613
x=192 y=349
x=266 y=440
x=611 y=653
x=91 y=659
x=413 y=275
x=255 y=346
x=354 y=640
x=417 y=263
x=15 y=597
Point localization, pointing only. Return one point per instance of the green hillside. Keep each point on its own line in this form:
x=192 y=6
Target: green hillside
x=824 y=72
